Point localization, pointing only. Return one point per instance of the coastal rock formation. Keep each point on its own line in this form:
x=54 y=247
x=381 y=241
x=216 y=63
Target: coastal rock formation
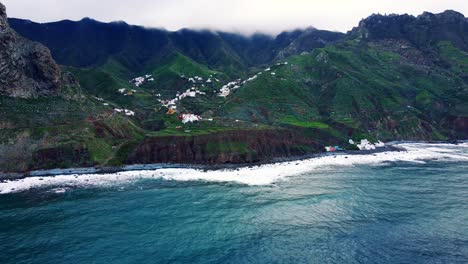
x=226 y=147
x=26 y=68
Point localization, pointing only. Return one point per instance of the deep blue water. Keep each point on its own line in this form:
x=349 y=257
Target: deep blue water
x=396 y=213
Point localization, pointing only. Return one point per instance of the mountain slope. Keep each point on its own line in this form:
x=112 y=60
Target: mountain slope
x=381 y=84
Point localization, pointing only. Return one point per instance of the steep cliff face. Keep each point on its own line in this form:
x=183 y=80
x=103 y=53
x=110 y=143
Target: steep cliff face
x=26 y=68
x=227 y=147
x=3 y=18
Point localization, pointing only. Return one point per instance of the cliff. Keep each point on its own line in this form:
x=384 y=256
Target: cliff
x=26 y=68
x=244 y=146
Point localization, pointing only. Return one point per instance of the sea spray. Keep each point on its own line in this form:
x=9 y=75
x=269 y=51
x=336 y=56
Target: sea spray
x=258 y=175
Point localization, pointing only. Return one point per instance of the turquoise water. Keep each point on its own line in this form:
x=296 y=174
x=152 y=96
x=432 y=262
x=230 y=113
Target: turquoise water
x=396 y=212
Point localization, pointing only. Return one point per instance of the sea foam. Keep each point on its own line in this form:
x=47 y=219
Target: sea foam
x=257 y=175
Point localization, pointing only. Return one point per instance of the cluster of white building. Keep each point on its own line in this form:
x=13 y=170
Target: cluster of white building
x=367 y=145
x=140 y=80
x=189 y=118
x=198 y=79
x=229 y=87
x=125 y=111
x=125 y=92
x=194 y=79
x=192 y=92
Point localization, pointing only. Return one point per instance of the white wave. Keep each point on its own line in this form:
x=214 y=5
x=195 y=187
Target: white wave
x=258 y=175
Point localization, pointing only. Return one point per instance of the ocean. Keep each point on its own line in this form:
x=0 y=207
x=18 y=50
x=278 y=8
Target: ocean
x=390 y=207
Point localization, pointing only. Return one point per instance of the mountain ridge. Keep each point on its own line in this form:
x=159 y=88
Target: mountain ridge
x=239 y=46
x=421 y=30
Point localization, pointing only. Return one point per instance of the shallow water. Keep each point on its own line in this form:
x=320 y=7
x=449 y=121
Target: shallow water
x=407 y=207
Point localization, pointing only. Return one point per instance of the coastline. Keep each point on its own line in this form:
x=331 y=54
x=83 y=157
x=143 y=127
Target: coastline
x=247 y=174
x=205 y=167
x=389 y=146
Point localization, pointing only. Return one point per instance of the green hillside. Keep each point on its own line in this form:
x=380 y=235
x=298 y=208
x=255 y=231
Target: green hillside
x=362 y=87
x=376 y=84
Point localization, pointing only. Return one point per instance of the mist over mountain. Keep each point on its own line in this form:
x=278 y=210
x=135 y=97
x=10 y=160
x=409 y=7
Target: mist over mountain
x=91 y=43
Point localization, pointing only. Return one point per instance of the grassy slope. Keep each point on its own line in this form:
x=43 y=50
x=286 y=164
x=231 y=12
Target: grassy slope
x=347 y=90
x=354 y=87
x=56 y=132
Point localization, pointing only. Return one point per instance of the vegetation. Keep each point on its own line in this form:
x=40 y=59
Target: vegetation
x=370 y=86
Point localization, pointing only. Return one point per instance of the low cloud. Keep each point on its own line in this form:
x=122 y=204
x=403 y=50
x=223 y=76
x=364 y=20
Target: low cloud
x=247 y=16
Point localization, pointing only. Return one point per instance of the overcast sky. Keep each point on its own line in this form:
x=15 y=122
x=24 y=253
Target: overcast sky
x=247 y=16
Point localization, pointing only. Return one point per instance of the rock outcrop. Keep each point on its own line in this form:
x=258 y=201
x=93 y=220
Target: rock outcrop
x=26 y=68
x=421 y=31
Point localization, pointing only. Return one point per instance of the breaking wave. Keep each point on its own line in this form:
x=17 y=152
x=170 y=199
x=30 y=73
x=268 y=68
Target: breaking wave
x=258 y=175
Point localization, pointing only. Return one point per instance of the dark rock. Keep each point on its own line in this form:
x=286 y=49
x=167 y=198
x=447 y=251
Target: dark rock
x=3 y=18
x=421 y=31
x=257 y=145
x=26 y=68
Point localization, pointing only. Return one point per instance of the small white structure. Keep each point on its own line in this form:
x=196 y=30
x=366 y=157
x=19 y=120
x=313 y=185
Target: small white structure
x=365 y=145
x=140 y=80
x=252 y=78
x=224 y=92
x=190 y=118
x=227 y=88
x=129 y=112
x=125 y=111
x=380 y=144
